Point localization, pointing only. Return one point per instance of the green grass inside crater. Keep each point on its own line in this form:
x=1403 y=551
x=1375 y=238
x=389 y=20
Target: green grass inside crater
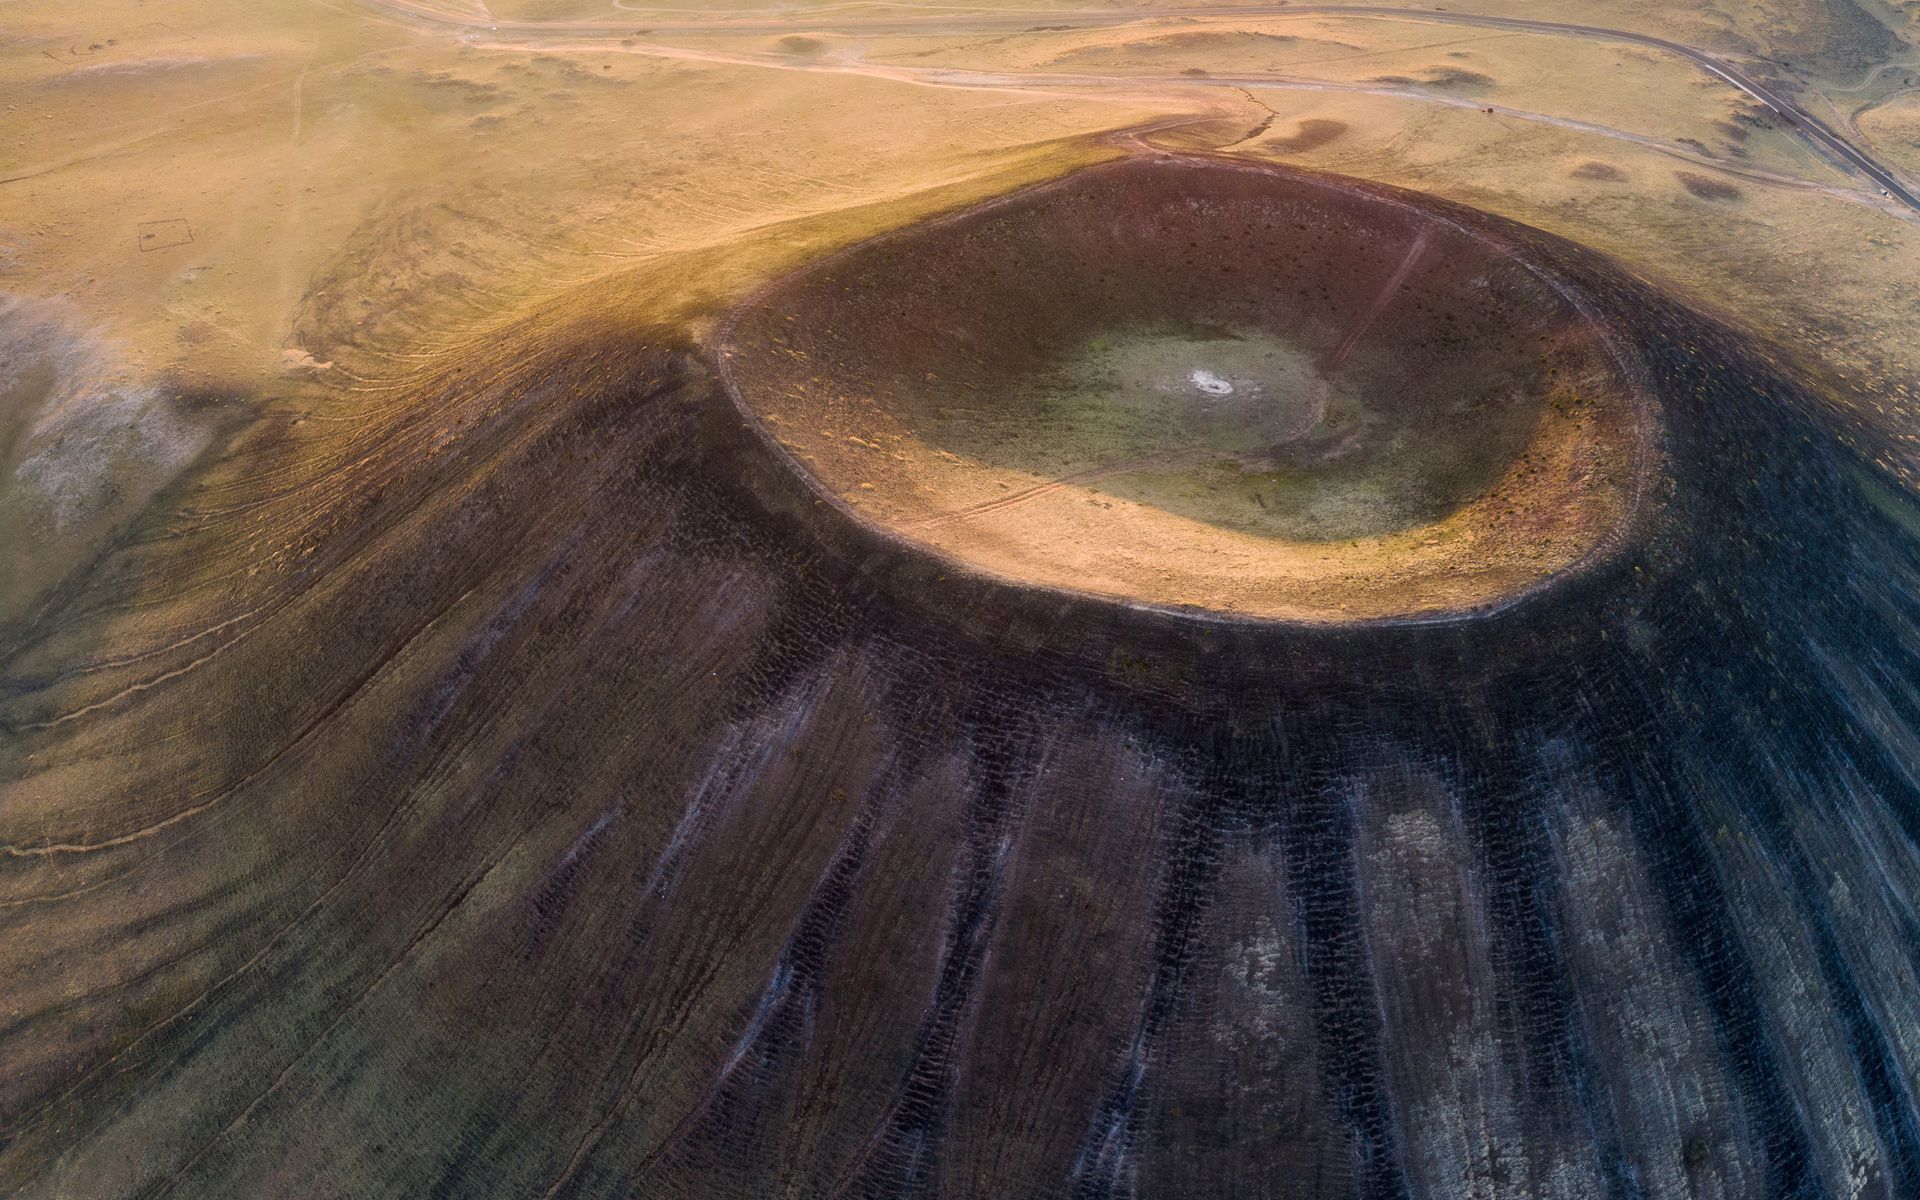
x=1246 y=430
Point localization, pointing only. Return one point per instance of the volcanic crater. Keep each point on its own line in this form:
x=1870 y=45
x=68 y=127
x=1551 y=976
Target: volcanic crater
x=708 y=844
x=1243 y=390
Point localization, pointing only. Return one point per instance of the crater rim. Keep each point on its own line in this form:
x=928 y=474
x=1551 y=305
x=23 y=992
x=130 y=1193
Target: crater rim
x=1633 y=399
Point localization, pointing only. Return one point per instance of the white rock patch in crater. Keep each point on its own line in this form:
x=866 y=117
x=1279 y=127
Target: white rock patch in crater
x=1210 y=383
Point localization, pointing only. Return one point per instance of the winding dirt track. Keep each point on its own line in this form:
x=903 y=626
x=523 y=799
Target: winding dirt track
x=1810 y=128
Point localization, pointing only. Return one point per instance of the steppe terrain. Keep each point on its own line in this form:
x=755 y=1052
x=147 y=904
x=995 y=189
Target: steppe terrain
x=1009 y=599
x=214 y=209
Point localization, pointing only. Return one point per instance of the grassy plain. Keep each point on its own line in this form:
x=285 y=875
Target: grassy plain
x=213 y=210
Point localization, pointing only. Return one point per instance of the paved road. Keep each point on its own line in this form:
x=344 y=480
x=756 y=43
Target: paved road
x=1809 y=127
x=1790 y=114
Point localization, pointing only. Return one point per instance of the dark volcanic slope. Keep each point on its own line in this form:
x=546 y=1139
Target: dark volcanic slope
x=535 y=792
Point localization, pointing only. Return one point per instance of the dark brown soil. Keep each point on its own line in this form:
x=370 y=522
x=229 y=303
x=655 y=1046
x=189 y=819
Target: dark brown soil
x=1706 y=188
x=1599 y=172
x=1309 y=135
